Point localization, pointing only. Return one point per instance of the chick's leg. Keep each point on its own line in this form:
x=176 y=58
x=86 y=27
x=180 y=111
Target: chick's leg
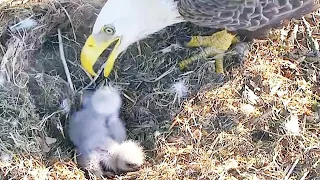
x=215 y=45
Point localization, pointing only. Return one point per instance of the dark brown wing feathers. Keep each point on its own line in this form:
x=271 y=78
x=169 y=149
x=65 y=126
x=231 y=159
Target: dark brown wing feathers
x=254 y=17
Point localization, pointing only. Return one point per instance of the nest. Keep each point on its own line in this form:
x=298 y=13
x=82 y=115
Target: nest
x=191 y=125
x=35 y=98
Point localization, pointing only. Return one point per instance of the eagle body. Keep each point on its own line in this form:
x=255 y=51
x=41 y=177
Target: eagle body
x=125 y=22
x=254 y=17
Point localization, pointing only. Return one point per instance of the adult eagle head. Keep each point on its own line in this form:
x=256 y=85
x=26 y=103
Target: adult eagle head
x=121 y=23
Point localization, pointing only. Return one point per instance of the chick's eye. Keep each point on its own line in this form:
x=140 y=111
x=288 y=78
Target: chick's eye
x=109 y=29
x=130 y=164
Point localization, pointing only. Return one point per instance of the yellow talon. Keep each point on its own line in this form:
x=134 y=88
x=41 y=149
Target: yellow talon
x=218 y=43
x=219 y=65
x=220 y=40
x=208 y=51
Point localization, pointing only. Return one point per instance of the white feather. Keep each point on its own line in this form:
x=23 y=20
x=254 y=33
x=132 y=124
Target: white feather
x=5 y=157
x=2 y=78
x=65 y=106
x=180 y=89
x=26 y=24
x=292 y=126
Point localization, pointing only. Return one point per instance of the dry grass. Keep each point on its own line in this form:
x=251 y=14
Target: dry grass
x=236 y=129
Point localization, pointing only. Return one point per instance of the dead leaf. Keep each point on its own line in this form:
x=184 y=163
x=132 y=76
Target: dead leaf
x=45 y=147
x=250 y=96
x=50 y=140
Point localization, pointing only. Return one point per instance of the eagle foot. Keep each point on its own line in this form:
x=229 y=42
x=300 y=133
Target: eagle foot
x=215 y=45
x=220 y=40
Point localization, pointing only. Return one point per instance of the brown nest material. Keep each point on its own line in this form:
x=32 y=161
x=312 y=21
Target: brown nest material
x=243 y=128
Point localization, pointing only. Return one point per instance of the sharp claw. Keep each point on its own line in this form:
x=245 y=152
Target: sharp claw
x=219 y=65
x=218 y=43
x=219 y=78
x=240 y=51
x=184 y=40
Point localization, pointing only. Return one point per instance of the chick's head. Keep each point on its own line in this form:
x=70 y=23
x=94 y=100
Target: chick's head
x=129 y=157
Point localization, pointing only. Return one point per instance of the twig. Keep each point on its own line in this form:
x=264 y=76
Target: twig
x=128 y=97
x=293 y=35
x=313 y=43
x=162 y=76
x=67 y=14
x=64 y=62
x=304 y=175
x=265 y=115
x=139 y=48
x=96 y=77
x=291 y=169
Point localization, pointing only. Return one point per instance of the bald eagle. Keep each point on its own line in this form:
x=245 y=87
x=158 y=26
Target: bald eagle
x=123 y=22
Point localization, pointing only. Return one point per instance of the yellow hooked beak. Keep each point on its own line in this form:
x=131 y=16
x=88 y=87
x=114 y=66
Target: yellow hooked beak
x=92 y=51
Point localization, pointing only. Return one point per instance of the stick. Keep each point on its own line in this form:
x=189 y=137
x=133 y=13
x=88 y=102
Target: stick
x=313 y=43
x=96 y=77
x=291 y=169
x=304 y=175
x=64 y=62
